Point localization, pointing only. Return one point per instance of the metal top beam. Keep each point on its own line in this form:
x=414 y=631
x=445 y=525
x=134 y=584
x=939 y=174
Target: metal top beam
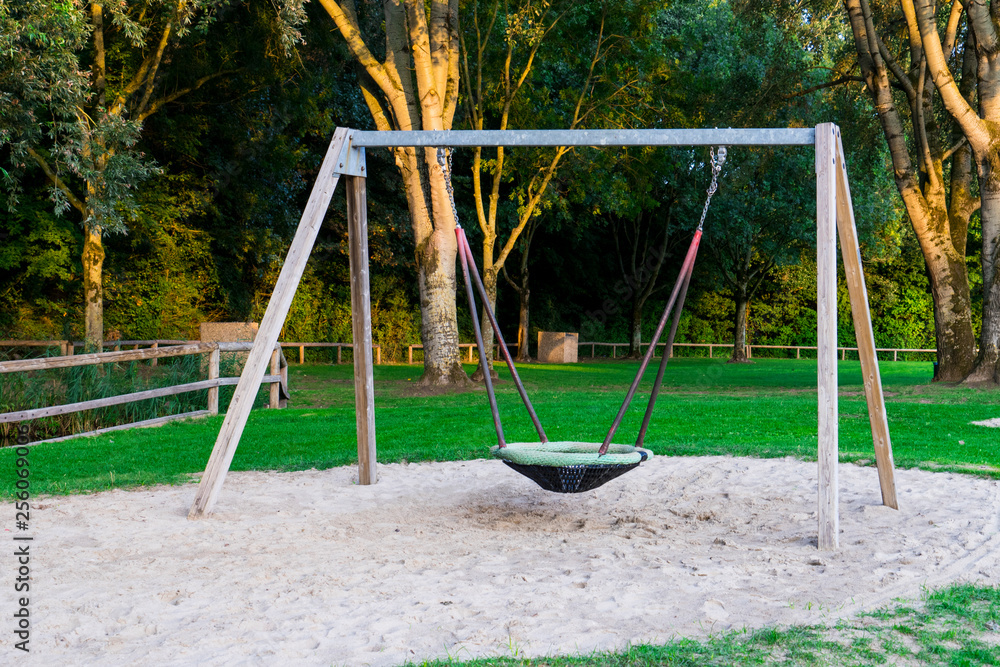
x=707 y=137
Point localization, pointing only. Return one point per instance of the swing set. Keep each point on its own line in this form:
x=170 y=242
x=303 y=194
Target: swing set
x=574 y=467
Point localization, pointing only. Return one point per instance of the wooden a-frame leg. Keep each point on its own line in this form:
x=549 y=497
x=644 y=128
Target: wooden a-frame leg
x=361 y=321
x=826 y=315
x=270 y=327
x=863 y=330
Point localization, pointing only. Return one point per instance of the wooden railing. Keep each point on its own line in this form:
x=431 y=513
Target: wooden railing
x=67 y=347
x=468 y=346
x=278 y=381
x=711 y=348
x=750 y=348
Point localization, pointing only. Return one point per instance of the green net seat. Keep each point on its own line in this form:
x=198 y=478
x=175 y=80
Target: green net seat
x=569 y=467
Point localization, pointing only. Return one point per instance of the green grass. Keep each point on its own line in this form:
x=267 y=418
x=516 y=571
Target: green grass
x=764 y=409
x=959 y=625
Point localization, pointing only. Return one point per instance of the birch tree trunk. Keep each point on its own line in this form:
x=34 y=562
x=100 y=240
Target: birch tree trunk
x=939 y=209
x=416 y=88
x=981 y=128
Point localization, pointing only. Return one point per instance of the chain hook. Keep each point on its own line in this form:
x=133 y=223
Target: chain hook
x=718 y=159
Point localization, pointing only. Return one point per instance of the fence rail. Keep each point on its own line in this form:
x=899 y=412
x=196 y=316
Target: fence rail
x=277 y=379
x=470 y=348
x=750 y=348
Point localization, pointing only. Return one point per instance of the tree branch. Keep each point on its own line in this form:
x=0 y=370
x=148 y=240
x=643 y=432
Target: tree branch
x=167 y=99
x=58 y=182
x=829 y=84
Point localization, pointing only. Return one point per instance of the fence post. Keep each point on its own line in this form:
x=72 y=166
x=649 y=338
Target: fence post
x=155 y=361
x=302 y=354
x=798 y=353
x=213 y=374
x=895 y=355
x=409 y=354
x=283 y=403
x=709 y=350
x=275 y=389
x=339 y=348
x=378 y=355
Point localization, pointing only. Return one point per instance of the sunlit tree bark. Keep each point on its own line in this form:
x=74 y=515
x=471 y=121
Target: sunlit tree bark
x=416 y=88
x=939 y=204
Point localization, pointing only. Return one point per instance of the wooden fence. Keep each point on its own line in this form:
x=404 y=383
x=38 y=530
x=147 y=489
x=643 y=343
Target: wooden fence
x=277 y=379
x=66 y=347
x=711 y=348
x=470 y=348
x=750 y=348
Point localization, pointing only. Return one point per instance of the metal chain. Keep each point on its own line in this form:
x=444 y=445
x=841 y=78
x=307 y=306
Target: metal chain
x=446 y=171
x=718 y=159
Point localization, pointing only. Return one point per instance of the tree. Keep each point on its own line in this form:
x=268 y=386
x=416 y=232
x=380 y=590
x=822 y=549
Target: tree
x=140 y=61
x=933 y=155
x=759 y=221
x=523 y=288
x=415 y=87
x=524 y=28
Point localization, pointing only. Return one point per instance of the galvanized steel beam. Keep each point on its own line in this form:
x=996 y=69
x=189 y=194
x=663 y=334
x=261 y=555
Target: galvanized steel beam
x=704 y=137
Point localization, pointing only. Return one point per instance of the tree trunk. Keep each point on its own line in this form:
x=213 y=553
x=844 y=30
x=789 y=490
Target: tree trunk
x=416 y=88
x=93 y=289
x=740 y=328
x=987 y=367
x=635 y=331
x=523 y=341
x=952 y=309
x=438 y=321
x=490 y=283
x=940 y=226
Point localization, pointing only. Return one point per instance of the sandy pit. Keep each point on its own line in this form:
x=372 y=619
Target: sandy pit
x=470 y=559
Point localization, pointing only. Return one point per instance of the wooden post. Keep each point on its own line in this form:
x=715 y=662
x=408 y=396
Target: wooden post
x=863 y=330
x=302 y=354
x=339 y=348
x=895 y=354
x=378 y=355
x=826 y=312
x=798 y=353
x=364 y=383
x=274 y=391
x=270 y=327
x=155 y=361
x=282 y=401
x=409 y=354
x=709 y=350
x=213 y=374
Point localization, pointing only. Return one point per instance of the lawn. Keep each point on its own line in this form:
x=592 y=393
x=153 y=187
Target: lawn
x=708 y=407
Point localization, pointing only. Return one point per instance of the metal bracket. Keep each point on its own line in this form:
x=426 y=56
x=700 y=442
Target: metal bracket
x=351 y=161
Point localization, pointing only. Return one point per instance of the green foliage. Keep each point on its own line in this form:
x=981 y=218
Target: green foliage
x=38 y=273
x=41 y=82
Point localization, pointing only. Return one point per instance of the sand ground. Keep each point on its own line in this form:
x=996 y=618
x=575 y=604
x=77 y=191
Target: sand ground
x=470 y=559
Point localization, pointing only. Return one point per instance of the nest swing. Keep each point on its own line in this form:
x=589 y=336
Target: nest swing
x=574 y=467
